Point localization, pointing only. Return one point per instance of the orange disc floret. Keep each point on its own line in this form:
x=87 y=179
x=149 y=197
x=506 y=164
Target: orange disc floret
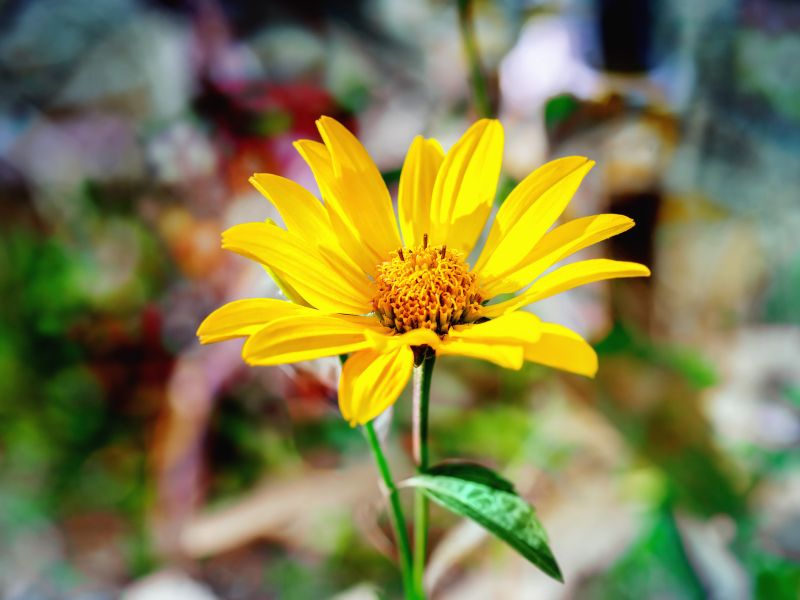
x=426 y=287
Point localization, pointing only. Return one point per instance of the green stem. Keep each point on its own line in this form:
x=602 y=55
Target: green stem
x=422 y=392
x=395 y=512
x=477 y=77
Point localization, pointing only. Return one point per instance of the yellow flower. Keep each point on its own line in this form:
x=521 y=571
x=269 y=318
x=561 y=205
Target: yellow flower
x=358 y=289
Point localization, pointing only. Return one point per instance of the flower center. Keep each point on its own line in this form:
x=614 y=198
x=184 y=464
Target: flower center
x=424 y=287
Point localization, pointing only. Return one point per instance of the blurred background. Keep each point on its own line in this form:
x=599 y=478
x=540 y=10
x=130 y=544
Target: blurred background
x=135 y=464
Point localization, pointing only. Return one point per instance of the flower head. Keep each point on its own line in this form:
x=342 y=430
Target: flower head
x=426 y=288
x=358 y=290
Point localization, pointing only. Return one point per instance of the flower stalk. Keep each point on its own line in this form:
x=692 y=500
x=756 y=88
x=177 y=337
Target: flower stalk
x=477 y=76
x=421 y=400
x=395 y=513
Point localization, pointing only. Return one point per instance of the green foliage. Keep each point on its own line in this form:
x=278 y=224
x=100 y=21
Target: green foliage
x=326 y=434
x=310 y=577
x=33 y=273
x=782 y=303
x=775 y=577
x=484 y=497
x=355 y=561
x=655 y=566
x=504 y=188
x=660 y=416
x=272 y=123
x=292 y=578
x=792 y=394
x=241 y=450
x=475 y=472
x=65 y=448
x=685 y=362
x=558 y=109
x=474 y=433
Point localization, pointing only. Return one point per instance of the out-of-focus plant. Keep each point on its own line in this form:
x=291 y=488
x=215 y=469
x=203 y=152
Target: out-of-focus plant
x=389 y=307
x=65 y=447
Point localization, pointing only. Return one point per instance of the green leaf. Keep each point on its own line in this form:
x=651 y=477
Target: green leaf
x=472 y=471
x=500 y=511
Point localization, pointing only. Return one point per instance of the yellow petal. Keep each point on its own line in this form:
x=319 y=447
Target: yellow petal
x=300 y=210
x=319 y=160
x=332 y=254
x=504 y=355
x=242 y=318
x=322 y=283
x=528 y=212
x=566 y=278
x=371 y=381
x=562 y=348
x=306 y=337
x=513 y=328
x=466 y=185
x=416 y=188
x=500 y=340
x=284 y=286
x=359 y=190
x=388 y=339
x=305 y=216
x=286 y=289
x=556 y=245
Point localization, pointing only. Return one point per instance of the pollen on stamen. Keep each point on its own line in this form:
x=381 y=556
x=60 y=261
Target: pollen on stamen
x=422 y=287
